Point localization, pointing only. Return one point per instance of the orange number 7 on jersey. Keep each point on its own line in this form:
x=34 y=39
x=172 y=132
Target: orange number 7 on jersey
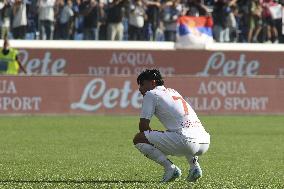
x=183 y=103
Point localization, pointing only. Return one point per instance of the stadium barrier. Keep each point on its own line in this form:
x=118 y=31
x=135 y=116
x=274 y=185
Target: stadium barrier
x=103 y=58
x=120 y=95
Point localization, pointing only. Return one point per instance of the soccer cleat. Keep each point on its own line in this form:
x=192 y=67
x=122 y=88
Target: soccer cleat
x=194 y=174
x=171 y=175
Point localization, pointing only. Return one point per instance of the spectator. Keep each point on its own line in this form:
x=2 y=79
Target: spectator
x=91 y=11
x=136 y=21
x=244 y=12
x=103 y=22
x=153 y=19
x=234 y=20
x=220 y=16
x=196 y=8
x=19 y=19
x=280 y=23
x=255 y=24
x=115 y=14
x=78 y=20
x=233 y=24
x=58 y=7
x=209 y=3
x=6 y=13
x=170 y=13
x=66 y=21
x=46 y=18
x=269 y=22
x=32 y=20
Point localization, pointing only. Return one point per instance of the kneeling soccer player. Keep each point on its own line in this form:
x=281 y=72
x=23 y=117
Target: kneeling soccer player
x=185 y=135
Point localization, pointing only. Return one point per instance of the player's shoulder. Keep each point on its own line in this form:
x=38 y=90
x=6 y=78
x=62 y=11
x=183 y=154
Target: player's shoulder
x=156 y=91
x=150 y=93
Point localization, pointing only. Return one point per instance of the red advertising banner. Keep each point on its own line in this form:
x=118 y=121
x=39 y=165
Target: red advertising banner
x=120 y=95
x=106 y=62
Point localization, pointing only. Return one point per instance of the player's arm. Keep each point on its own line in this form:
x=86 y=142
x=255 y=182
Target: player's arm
x=20 y=64
x=147 y=111
x=144 y=125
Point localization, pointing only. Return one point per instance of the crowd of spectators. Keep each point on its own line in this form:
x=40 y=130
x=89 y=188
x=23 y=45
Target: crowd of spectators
x=148 y=20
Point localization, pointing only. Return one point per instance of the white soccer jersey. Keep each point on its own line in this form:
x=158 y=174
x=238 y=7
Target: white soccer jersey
x=172 y=110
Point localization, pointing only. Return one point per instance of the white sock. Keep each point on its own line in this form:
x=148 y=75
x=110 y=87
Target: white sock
x=192 y=160
x=155 y=154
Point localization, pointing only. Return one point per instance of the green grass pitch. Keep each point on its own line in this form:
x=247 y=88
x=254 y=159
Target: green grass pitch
x=97 y=152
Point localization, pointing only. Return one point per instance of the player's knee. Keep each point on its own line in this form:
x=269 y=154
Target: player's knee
x=139 y=138
x=202 y=149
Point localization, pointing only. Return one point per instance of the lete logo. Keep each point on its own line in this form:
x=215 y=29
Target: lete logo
x=96 y=95
x=46 y=65
x=218 y=65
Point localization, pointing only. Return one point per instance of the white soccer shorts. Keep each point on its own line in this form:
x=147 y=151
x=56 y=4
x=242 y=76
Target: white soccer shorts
x=176 y=144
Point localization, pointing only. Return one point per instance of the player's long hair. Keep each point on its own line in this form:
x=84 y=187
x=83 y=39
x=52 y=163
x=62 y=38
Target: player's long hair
x=149 y=75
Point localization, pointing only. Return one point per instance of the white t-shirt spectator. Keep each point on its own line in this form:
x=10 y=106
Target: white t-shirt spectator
x=136 y=17
x=66 y=14
x=46 y=10
x=20 y=16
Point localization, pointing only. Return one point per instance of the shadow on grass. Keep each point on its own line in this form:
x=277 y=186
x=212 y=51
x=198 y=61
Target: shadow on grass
x=74 y=181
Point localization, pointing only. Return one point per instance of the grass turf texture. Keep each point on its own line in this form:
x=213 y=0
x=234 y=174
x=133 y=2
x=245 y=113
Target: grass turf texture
x=97 y=152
